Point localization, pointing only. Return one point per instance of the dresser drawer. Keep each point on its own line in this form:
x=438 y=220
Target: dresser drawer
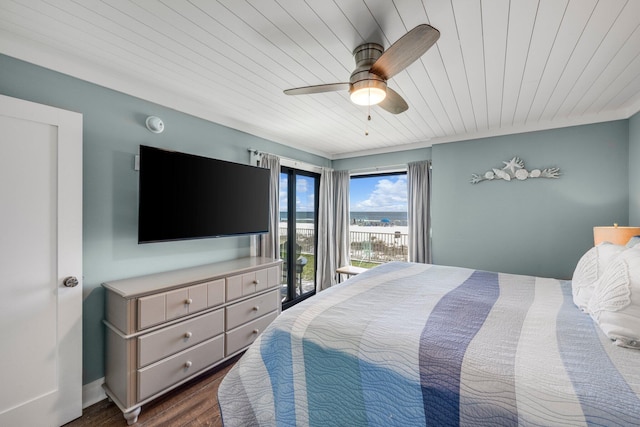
x=215 y=293
x=156 y=345
x=152 y=310
x=251 y=309
x=247 y=333
x=156 y=377
x=241 y=285
x=186 y=301
x=250 y=283
x=156 y=309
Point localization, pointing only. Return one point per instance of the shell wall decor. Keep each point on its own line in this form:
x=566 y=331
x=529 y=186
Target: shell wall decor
x=514 y=169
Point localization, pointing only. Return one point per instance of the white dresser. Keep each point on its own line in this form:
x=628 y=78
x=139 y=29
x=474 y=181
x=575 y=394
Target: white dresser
x=164 y=329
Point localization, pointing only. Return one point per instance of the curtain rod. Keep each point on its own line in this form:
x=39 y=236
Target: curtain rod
x=314 y=168
x=382 y=169
x=292 y=163
x=376 y=169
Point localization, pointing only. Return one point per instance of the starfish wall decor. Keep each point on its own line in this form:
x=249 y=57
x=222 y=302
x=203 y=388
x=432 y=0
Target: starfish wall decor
x=514 y=168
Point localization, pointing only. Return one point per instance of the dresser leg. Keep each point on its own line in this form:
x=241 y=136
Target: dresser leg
x=132 y=416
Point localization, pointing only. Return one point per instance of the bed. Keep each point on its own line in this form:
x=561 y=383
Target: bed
x=408 y=344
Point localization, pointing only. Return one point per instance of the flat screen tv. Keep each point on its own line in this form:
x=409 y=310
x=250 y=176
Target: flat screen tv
x=184 y=196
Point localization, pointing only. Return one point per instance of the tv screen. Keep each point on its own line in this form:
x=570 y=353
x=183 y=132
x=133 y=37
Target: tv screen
x=183 y=196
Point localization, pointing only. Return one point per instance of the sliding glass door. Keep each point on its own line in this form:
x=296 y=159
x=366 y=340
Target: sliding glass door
x=298 y=231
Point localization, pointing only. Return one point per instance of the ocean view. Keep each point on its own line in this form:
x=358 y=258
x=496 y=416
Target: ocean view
x=359 y=218
x=378 y=218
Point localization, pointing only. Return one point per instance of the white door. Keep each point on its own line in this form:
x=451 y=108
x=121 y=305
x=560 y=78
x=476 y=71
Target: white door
x=40 y=245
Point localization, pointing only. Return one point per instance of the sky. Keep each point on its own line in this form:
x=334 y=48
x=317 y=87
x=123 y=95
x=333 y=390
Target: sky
x=378 y=194
x=382 y=193
x=304 y=193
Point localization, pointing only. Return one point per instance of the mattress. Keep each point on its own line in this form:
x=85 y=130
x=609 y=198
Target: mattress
x=408 y=344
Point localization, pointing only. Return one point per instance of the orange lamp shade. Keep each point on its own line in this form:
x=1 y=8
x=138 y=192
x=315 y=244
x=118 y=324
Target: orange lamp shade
x=616 y=235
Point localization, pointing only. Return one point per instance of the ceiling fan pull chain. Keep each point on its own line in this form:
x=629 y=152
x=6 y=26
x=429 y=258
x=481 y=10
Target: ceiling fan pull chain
x=366 y=129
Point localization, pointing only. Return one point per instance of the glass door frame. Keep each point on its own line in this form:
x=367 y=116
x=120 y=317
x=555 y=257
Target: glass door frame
x=292 y=298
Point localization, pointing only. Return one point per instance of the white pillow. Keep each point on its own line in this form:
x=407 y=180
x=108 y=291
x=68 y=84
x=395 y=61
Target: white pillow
x=635 y=240
x=615 y=303
x=589 y=269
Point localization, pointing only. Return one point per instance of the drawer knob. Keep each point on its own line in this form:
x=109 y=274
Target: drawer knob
x=188 y=364
x=256 y=331
x=188 y=334
x=188 y=301
x=256 y=308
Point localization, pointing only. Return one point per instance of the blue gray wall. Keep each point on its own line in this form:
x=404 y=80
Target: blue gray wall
x=537 y=226
x=533 y=227
x=113 y=130
x=634 y=170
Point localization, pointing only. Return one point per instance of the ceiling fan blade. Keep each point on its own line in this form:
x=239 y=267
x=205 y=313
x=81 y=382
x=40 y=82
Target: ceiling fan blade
x=405 y=51
x=306 y=90
x=393 y=102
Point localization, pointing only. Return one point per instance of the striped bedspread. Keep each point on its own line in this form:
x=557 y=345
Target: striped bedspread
x=413 y=344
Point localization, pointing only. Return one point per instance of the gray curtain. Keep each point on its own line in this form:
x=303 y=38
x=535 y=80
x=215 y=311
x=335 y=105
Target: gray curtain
x=269 y=242
x=419 y=195
x=341 y=181
x=333 y=227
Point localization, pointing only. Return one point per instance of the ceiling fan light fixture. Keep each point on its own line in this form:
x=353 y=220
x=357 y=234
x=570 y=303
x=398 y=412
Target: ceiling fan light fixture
x=368 y=96
x=369 y=92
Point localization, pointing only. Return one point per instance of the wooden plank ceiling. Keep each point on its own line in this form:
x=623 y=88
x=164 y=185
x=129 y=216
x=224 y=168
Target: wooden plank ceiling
x=499 y=67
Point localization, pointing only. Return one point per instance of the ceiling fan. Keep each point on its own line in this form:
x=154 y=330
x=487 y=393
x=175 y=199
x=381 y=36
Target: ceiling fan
x=374 y=66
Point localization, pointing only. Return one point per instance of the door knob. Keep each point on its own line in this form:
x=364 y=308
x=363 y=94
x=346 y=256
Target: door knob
x=70 y=281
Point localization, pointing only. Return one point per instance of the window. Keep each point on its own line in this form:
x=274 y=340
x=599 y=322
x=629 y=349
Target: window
x=378 y=219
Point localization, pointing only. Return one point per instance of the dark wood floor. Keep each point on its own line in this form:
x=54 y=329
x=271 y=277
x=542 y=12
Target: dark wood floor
x=192 y=404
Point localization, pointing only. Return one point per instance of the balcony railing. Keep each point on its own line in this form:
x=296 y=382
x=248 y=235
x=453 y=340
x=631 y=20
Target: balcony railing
x=375 y=247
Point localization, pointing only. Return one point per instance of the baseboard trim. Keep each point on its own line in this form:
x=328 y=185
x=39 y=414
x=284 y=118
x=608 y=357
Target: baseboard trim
x=93 y=393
